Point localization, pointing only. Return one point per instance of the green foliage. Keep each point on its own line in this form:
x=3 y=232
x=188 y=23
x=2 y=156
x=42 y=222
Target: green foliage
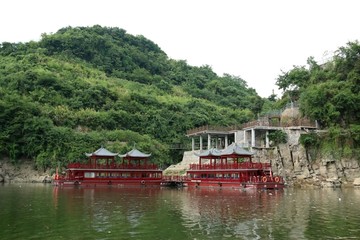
x=355 y=133
x=108 y=49
x=293 y=81
x=277 y=137
x=84 y=87
x=336 y=143
x=329 y=93
x=309 y=140
x=332 y=103
x=312 y=144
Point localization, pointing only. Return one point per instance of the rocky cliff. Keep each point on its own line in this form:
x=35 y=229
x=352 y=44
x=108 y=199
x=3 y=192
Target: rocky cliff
x=22 y=173
x=299 y=169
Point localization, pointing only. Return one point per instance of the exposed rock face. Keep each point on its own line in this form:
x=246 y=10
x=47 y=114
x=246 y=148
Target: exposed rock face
x=189 y=157
x=299 y=168
x=22 y=173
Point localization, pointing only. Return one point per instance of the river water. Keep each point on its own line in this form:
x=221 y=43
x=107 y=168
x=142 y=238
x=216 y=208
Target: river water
x=37 y=211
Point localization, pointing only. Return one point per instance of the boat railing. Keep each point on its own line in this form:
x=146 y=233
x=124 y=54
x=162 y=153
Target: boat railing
x=112 y=166
x=243 y=165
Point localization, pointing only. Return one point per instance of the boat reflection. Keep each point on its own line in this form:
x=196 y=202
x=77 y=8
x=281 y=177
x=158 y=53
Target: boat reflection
x=207 y=213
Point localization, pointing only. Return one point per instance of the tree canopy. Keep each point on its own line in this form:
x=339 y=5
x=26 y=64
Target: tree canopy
x=84 y=87
x=329 y=92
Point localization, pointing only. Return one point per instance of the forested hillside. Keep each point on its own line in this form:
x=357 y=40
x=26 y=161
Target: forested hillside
x=84 y=87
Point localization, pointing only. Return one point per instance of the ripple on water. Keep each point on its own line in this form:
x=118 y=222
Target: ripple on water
x=41 y=213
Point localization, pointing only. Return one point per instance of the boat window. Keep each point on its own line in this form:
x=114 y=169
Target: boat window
x=101 y=174
x=126 y=175
x=114 y=174
x=89 y=174
x=235 y=175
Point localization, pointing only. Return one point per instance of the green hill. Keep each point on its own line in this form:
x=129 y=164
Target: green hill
x=84 y=87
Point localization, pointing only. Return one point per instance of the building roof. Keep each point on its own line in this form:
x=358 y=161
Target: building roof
x=135 y=154
x=214 y=152
x=101 y=152
x=235 y=149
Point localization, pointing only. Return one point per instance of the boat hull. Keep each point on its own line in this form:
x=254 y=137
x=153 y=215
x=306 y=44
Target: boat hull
x=107 y=182
x=233 y=184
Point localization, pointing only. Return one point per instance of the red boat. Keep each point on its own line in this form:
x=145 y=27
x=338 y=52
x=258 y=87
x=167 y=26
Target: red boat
x=231 y=168
x=102 y=169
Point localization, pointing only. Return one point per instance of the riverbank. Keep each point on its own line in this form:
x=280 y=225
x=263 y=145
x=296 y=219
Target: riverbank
x=26 y=173
x=22 y=173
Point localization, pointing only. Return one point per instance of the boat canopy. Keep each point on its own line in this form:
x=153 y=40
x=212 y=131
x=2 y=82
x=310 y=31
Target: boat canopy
x=235 y=149
x=135 y=154
x=213 y=152
x=101 y=152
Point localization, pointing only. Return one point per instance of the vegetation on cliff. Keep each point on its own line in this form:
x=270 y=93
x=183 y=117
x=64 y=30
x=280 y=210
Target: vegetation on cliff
x=329 y=93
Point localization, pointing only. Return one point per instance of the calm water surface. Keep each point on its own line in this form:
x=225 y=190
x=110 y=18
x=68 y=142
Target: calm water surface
x=36 y=211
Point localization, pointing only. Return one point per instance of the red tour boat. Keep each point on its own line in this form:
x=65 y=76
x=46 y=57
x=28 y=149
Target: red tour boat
x=102 y=169
x=231 y=168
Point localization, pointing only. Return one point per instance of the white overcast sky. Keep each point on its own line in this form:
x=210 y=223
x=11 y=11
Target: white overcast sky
x=253 y=39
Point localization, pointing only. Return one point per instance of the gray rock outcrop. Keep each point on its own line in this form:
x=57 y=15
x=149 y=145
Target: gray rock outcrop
x=22 y=173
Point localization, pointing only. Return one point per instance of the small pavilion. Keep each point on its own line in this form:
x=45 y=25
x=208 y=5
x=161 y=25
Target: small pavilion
x=101 y=153
x=135 y=156
x=211 y=154
x=235 y=151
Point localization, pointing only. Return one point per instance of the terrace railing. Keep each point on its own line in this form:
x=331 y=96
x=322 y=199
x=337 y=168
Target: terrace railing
x=301 y=122
x=211 y=128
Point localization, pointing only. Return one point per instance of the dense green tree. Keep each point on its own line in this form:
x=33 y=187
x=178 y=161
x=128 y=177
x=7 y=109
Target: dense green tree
x=333 y=100
x=329 y=93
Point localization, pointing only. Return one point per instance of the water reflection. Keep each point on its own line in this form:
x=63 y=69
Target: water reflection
x=104 y=210
x=42 y=212
x=288 y=214
x=229 y=213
